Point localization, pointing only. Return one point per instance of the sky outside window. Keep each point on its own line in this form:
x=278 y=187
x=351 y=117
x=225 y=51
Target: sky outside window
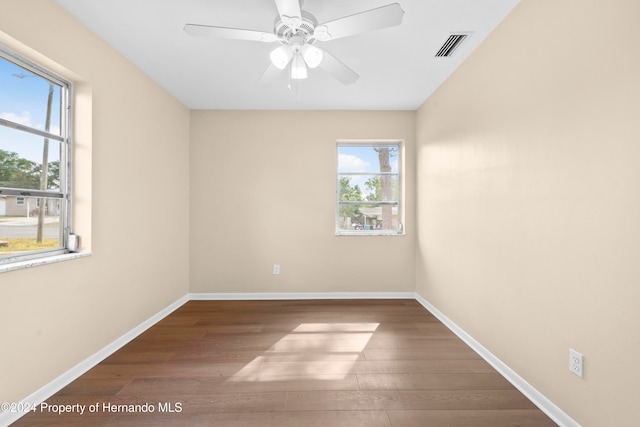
x=362 y=159
x=23 y=100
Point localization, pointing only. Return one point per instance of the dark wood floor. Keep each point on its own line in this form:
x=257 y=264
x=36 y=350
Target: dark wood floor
x=294 y=363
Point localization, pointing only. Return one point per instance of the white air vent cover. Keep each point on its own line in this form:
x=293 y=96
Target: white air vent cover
x=451 y=44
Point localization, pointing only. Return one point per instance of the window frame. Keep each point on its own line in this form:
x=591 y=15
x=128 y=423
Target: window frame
x=63 y=195
x=400 y=202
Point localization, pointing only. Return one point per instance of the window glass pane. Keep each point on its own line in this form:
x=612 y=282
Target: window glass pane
x=367 y=158
x=367 y=217
x=369 y=187
x=20 y=225
x=368 y=193
x=21 y=158
x=27 y=97
x=31 y=103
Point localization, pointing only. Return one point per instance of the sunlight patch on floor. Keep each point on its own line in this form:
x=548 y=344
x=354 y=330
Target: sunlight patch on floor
x=314 y=350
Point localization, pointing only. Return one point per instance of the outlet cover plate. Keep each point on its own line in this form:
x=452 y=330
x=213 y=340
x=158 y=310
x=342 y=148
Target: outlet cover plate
x=575 y=362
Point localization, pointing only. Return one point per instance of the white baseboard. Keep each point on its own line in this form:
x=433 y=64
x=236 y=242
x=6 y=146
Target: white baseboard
x=72 y=374
x=537 y=398
x=301 y=295
x=548 y=407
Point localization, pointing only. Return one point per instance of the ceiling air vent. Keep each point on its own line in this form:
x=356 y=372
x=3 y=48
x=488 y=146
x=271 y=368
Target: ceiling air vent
x=451 y=44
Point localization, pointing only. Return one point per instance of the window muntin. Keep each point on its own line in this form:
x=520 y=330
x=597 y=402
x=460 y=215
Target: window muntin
x=34 y=161
x=368 y=188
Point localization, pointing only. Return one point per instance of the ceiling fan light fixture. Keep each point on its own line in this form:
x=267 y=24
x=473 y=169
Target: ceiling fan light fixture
x=312 y=55
x=298 y=67
x=281 y=56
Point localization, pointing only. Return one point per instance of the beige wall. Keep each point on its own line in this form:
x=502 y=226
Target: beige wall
x=263 y=193
x=529 y=201
x=131 y=189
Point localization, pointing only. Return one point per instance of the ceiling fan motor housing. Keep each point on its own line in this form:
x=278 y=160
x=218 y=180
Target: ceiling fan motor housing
x=305 y=30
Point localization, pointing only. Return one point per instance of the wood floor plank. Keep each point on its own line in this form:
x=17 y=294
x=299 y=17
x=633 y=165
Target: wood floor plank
x=444 y=352
x=173 y=333
x=306 y=419
x=156 y=387
x=132 y=357
x=168 y=369
x=94 y=387
x=458 y=381
x=422 y=366
x=245 y=356
x=292 y=363
x=164 y=419
x=470 y=418
x=48 y=420
x=414 y=330
x=413 y=343
x=406 y=399
x=266 y=367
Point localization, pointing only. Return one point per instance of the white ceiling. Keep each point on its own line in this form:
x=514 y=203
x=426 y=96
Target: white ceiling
x=397 y=66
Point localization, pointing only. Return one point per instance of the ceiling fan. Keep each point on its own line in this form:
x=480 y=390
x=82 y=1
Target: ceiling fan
x=297 y=32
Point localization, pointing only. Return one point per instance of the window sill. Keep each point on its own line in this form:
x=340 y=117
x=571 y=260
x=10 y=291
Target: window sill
x=42 y=261
x=367 y=233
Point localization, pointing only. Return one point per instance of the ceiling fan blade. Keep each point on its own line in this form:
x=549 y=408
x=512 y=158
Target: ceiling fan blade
x=228 y=33
x=337 y=69
x=290 y=13
x=370 y=20
x=270 y=74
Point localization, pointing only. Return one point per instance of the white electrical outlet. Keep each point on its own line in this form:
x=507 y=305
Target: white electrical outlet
x=276 y=268
x=575 y=362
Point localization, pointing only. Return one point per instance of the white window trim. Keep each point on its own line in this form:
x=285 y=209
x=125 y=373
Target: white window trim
x=42 y=260
x=29 y=259
x=400 y=212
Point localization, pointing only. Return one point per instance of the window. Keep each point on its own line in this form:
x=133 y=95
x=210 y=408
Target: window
x=35 y=161
x=368 y=192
